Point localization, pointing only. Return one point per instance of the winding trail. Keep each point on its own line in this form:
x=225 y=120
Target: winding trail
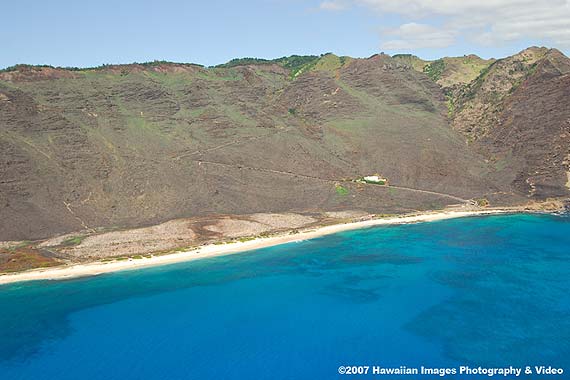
x=83 y=224
x=429 y=192
x=327 y=180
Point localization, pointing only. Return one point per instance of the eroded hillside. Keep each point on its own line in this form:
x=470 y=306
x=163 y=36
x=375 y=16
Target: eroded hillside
x=516 y=114
x=133 y=145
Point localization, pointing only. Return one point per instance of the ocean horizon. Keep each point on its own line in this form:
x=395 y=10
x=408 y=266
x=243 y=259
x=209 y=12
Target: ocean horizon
x=489 y=291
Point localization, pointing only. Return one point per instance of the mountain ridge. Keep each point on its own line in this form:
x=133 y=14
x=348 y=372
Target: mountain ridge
x=132 y=145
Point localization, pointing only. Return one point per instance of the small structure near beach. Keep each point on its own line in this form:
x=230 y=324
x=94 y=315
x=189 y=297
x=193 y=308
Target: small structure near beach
x=375 y=179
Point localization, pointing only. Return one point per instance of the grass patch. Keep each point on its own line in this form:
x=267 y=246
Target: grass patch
x=72 y=241
x=20 y=245
x=341 y=190
x=329 y=62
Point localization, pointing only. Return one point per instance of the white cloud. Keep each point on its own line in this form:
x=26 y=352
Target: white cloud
x=418 y=36
x=447 y=7
x=334 y=5
x=488 y=22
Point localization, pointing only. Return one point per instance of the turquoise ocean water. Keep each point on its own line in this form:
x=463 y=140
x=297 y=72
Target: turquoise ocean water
x=485 y=291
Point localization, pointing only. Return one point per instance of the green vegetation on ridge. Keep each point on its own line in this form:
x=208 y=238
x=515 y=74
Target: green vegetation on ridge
x=435 y=69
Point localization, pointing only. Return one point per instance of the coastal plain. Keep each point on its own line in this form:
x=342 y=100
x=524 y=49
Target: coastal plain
x=103 y=259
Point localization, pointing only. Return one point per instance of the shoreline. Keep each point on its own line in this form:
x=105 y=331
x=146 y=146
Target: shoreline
x=215 y=250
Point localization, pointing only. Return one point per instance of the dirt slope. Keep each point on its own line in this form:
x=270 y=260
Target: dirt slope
x=134 y=145
x=517 y=115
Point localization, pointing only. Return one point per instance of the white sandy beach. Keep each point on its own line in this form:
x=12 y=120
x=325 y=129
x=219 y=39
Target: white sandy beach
x=213 y=250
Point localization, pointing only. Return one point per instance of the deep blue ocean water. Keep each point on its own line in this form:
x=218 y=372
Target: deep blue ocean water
x=482 y=291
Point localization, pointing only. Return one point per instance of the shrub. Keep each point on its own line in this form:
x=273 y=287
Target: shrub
x=435 y=69
x=341 y=190
x=74 y=240
x=482 y=202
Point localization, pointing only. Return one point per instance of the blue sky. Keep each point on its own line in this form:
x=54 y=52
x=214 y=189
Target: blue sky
x=73 y=33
